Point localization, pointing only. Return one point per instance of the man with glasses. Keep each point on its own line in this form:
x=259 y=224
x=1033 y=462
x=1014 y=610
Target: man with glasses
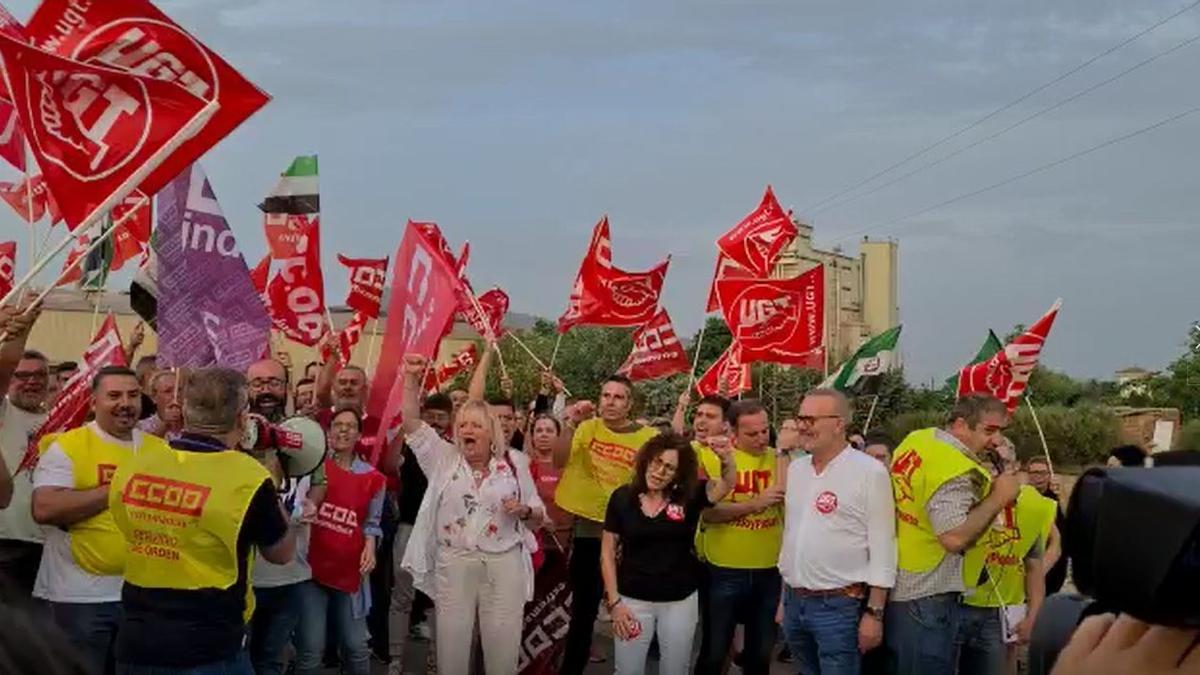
x=740 y=540
x=1040 y=478
x=24 y=375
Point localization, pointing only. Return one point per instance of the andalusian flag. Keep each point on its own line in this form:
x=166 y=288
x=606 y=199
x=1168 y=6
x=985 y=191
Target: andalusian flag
x=297 y=192
x=876 y=357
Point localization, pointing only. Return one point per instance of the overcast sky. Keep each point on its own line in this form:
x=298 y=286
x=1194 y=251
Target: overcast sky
x=516 y=125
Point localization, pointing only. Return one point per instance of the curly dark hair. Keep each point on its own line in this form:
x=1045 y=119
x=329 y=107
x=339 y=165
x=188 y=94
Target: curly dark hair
x=687 y=474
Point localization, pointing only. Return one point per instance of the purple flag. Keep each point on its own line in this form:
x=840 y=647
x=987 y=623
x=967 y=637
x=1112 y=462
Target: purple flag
x=208 y=311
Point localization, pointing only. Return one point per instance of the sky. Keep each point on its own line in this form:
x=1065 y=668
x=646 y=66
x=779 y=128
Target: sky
x=517 y=124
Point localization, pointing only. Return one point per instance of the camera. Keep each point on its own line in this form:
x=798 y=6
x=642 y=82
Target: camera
x=1133 y=538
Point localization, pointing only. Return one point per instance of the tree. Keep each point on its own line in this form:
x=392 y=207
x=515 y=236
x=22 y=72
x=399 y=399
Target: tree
x=717 y=339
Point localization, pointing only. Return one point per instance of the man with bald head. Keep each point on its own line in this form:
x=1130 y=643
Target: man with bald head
x=839 y=542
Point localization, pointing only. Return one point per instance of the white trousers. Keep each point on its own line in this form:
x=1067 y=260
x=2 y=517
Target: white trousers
x=675 y=624
x=484 y=586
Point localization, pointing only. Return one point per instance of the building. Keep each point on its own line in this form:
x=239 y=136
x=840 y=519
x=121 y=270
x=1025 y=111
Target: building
x=1133 y=381
x=861 y=292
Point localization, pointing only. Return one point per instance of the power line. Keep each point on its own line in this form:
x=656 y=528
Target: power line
x=1026 y=174
x=1012 y=126
x=1003 y=108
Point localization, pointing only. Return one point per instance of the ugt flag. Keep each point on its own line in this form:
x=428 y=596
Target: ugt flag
x=1007 y=372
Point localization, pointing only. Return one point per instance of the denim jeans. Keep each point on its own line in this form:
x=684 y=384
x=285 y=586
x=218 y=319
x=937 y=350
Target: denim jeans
x=239 y=664
x=981 y=648
x=823 y=633
x=319 y=603
x=276 y=614
x=921 y=635
x=674 y=623
x=735 y=596
x=91 y=628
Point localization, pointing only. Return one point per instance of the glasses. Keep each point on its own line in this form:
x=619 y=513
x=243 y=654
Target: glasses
x=267 y=382
x=809 y=420
x=27 y=375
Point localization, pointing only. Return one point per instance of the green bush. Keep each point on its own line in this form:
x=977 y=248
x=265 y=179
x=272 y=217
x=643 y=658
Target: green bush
x=1189 y=436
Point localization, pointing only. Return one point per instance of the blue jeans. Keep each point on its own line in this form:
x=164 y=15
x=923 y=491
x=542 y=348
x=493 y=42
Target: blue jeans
x=92 y=629
x=921 y=635
x=319 y=603
x=276 y=614
x=823 y=633
x=239 y=664
x=981 y=648
x=735 y=596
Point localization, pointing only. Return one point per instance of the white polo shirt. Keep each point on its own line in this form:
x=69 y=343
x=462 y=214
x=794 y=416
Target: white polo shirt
x=839 y=526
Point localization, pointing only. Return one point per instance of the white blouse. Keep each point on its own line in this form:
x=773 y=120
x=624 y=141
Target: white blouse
x=472 y=518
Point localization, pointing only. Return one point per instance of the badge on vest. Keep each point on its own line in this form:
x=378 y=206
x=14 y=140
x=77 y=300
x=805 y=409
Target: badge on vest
x=674 y=512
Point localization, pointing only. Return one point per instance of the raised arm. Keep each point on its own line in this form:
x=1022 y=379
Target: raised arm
x=323 y=390
x=478 y=383
x=17 y=323
x=718 y=488
x=959 y=537
x=412 y=370
x=579 y=412
x=679 y=420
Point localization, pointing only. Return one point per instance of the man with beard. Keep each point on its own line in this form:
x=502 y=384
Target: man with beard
x=80 y=572
x=167 y=421
x=24 y=375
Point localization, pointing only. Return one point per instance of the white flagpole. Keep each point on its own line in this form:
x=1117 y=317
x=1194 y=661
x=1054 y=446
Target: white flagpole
x=696 y=357
x=554 y=354
x=29 y=204
x=1041 y=434
x=96 y=309
x=870 y=413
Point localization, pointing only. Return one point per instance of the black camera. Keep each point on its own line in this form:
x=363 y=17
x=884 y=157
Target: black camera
x=1133 y=537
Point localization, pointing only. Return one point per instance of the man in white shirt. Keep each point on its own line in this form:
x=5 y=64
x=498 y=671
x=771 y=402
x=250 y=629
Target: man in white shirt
x=839 y=543
x=70 y=497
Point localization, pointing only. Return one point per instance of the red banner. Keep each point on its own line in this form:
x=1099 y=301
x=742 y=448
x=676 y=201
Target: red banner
x=727 y=376
x=74 y=402
x=1006 y=374
x=31 y=202
x=348 y=338
x=296 y=295
x=135 y=37
x=547 y=616
x=132 y=236
x=443 y=373
x=8 y=266
x=726 y=269
x=494 y=305
x=258 y=275
x=12 y=137
x=367 y=277
x=657 y=351
x=755 y=242
x=776 y=320
x=288 y=234
x=596 y=261
x=421 y=300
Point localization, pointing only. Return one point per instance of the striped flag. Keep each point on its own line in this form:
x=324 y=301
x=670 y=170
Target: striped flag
x=1006 y=374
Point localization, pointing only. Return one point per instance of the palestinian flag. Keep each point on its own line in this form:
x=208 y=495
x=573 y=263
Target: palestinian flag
x=874 y=358
x=990 y=346
x=297 y=192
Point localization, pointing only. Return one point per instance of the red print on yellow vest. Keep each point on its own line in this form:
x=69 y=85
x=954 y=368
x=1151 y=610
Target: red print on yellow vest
x=104 y=473
x=752 y=482
x=1001 y=537
x=163 y=494
x=903 y=468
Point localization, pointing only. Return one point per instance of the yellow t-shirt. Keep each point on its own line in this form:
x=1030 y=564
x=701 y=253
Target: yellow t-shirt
x=601 y=461
x=752 y=541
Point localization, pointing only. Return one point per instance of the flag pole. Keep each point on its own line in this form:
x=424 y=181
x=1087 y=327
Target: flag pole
x=1041 y=434
x=870 y=413
x=96 y=308
x=29 y=205
x=696 y=357
x=500 y=360
x=522 y=345
x=554 y=354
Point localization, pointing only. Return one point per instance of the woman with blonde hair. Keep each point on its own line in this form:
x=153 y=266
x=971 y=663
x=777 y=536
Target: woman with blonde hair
x=472 y=544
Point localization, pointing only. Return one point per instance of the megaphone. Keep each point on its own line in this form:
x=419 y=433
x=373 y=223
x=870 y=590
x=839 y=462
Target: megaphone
x=299 y=441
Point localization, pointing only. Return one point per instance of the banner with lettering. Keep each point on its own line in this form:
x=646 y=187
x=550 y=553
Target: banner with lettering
x=656 y=352
x=776 y=320
x=209 y=313
x=367 y=278
x=547 y=616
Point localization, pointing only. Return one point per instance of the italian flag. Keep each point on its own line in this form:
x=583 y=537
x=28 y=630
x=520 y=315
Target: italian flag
x=297 y=191
x=876 y=357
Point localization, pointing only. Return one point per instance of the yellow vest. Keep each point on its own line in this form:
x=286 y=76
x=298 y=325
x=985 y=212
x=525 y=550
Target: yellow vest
x=922 y=464
x=97 y=546
x=752 y=541
x=601 y=461
x=180 y=513
x=1007 y=542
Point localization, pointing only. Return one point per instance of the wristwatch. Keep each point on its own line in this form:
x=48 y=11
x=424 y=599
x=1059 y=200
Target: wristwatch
x=876 y=612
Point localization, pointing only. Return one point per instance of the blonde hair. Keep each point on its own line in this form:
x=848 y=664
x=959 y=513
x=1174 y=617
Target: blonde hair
x=491 y=422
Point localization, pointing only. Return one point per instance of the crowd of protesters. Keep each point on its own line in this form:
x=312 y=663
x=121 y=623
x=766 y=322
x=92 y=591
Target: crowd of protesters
x=155 y=544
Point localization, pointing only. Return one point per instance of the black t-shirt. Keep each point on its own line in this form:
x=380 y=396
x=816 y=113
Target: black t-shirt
x=176 y=628
x=656 y=560
x=412 y=487
x=1056 y=576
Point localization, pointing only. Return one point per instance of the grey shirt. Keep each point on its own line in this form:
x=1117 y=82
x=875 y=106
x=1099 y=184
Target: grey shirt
x=947 y=509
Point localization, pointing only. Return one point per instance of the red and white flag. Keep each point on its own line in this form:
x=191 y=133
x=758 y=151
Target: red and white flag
x=132 y=236
x=98 y=133
x=755 y=242
x=727 y=376
x=657 y=351
x=296 y=294
x=30 y=199
x=367 y=277
x=348 y=338
x=12 y=136
x=726 y=269
x=776 y=320
x=422 y=298
x=1006 y=374
x=596 y=261
x=8 y=266
x=258 y=275
x=288 y=233
x=463 y=254
x=134 y=37
x=494 y=307
x=74 y=402
x=444 y=372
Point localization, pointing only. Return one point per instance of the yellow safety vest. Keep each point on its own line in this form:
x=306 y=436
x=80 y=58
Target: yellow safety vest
x=601 y=461
x=1017 y=528
x=922 y=464
x=180 y=513
x=97 y=546
x=752 y=541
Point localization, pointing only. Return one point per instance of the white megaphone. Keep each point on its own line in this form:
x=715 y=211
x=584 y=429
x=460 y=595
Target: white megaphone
x=299 y=442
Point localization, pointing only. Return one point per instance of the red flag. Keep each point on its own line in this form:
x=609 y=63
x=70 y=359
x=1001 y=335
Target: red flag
x=71 y=407
x=728 y=369
x=132 y=236
x=597 y=260
x=421 y=301
x=436 y=243
x=755 y=242
x=1006 y=374
x=494 y=305
x=29 y=199
x=726 y=269
x=12 y=137
x=287 y=234
x=464 y=359
x=258 y=275
x=8 y=266
x=776 y=320
x=463 y=254
x=367 y=277
x=296 y=295
x=134 y=37
x=657 y=351
x=348 y=338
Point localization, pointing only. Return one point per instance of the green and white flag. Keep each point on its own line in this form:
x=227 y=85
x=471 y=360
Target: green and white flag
x=297 y=192
x=990 y=346
x=93 y=270
x=876 y=357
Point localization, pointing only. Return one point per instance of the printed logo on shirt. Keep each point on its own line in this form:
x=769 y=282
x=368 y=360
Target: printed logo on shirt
x=902 y=472
x=826 y=502
x=674 y=512
x=751 y=482
x=337 y=518
x=104 y=473
x=163 y=494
